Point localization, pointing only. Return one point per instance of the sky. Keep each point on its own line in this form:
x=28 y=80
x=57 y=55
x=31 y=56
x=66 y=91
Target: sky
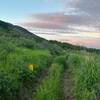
x=70 y=21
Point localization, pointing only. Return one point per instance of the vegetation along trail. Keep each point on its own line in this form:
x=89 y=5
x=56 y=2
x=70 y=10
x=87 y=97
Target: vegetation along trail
x=52 y=86
x=33 y=68
x=67 y=86
x=40 y=79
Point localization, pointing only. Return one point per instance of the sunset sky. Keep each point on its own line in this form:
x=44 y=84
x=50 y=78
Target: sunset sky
x=72 y=21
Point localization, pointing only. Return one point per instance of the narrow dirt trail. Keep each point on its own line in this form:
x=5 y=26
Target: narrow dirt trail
x=29 y=93
x=42 y=76
x=67 y=85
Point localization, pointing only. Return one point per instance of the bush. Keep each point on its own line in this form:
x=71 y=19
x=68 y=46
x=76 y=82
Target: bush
x=62 y=60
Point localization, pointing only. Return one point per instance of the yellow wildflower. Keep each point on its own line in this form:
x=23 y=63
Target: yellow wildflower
x=30 y=67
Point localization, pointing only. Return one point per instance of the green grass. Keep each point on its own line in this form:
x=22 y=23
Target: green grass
x=15 y=75
x=20 y=48
x=51 y=87
x=85 y=74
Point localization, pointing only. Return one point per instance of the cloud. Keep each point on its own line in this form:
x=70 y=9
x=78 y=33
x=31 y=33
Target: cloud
x=74 y=39
x=90 y=7
x=61 y=21
x=46 y=20
x=79 y=17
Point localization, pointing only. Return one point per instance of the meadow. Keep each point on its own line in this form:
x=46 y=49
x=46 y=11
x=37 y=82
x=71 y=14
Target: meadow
x=84 y=69
x=32 y=68
x=19 y=71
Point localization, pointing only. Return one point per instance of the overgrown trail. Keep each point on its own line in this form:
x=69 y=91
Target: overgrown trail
x=67 y=90
x=40 y=79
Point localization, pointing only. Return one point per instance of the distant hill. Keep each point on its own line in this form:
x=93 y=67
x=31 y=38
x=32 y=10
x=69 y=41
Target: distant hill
x=20 y=37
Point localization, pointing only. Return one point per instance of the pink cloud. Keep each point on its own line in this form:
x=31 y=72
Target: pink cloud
x=84 y=42
x=84 y=29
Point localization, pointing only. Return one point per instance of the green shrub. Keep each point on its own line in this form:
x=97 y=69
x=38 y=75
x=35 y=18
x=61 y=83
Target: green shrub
x=62 y=60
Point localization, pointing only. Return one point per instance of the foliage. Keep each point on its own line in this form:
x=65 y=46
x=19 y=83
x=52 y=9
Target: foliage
x=61 y=60
x=20 y=48
x=85 y=76
x=14 y=72
x=51 y=87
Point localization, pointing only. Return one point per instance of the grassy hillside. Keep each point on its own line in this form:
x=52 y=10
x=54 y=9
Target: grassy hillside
x=20 y=37
x=32 y=68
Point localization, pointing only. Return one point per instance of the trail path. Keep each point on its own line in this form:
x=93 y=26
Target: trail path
x=42 y=76
x=67 y=92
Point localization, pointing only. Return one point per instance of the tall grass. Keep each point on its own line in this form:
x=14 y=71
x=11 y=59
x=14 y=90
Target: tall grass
x=85 y=74
x=51 y=87
x=16 y=79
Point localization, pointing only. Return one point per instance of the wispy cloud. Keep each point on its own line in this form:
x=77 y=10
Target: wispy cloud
x=89 y=7
x=79 y=17
x=70 y=23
